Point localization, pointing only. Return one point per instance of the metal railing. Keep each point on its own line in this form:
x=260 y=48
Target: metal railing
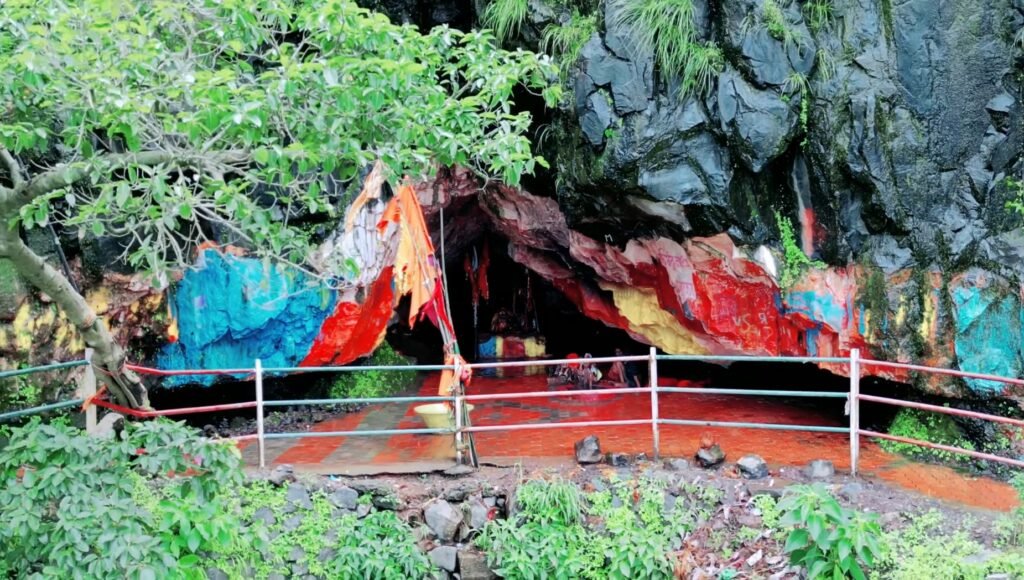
x=853 y=398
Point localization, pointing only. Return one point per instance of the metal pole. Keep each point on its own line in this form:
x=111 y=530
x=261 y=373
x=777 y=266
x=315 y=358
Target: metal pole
x=259 y=414
x=854 y=409
x=458 y=429
x=653 y=366
x=89 y=391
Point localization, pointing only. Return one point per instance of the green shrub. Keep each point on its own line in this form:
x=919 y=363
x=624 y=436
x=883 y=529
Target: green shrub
x=565 y=41
x=144 y=505
x=619 y=533
x=928 y=549
x=827 y=539
x=374 y=383
x=378 y=546
x=925 y=426
x=795 y=260
x=667 y=28
x=505 y=17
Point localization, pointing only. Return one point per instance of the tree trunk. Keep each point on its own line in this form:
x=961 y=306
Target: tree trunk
x=108 y=356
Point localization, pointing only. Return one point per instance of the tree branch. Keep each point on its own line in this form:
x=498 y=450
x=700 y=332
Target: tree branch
x=13 y=167
x=108 y=355
x=69 y=174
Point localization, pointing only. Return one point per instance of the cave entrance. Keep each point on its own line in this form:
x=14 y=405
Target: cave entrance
x=519 y=316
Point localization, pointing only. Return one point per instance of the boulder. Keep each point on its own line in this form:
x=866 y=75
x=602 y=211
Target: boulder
x=443 y=519
x=444 y=557
x=752 y=467
x=710 y=456
x=473 y=566
x=345 y=498
x=588 y=450
x=475 y=514
x=298 y=496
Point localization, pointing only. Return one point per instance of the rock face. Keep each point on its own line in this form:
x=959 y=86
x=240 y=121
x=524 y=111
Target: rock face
x=885 y=136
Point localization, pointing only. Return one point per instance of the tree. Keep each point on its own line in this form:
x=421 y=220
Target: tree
x=161 y=121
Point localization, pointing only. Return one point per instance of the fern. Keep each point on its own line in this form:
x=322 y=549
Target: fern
x=667 y=28
x=566 y=41
x=505 y=17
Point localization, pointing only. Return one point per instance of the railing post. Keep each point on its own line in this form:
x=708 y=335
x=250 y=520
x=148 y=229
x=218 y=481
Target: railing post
x=88 y=391
x=458 y=427
x=854 y=409
x=653 y=372
x=259 y=414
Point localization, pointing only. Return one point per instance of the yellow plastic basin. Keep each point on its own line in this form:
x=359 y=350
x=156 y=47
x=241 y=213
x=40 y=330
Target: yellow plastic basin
x=437 y=416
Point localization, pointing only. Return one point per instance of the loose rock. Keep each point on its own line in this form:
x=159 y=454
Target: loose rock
x=820 y=469
x=282 y=474
x=110 y=425
x=298 y=496
x=710 y=456
x=851 y=491
x=617 y=459
x=473 y=566
x=677 y=464
x=443 y=519
x=216 y=574
x=752 y=467
x=588 y=450
x=265 y=515
x=345 y=498
x=444 y=557
x=475 y=514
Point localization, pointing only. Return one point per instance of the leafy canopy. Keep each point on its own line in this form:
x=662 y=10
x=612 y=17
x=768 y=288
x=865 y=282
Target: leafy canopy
x=164 y=121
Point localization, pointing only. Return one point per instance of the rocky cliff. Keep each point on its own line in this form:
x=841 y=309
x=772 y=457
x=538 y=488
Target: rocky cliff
x=841 y=182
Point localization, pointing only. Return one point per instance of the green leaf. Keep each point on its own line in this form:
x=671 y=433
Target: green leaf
x=797 y=539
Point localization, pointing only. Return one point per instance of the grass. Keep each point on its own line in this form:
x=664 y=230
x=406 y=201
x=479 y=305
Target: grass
x=565 y=41
x=667 y=28
x=819 y=14
x=773 y=18
x=505 y=17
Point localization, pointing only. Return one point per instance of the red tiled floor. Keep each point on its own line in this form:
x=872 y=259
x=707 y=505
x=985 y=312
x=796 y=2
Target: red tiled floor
x=777 y=447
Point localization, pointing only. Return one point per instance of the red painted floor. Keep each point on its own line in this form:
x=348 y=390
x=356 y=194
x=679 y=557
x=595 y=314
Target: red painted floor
x=779 y=448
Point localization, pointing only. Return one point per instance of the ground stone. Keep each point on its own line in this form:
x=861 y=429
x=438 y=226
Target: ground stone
x=473 y=566
x=345 y=498
x=710 y=456
x=677 y=464
x=326 y=555
x=388 y=502
x=851 y=491
x=820 y=469
x=265 y=515
x=296 y=554
x=298 y=496
x=588 y=450
x=460 y=470
x=443 y=519
x=444 y=557
x=110 y=425
x=752 y=467
x=292 y=523
x=475 y=514
x=362 y=510
x=216 y=574
x=461 y=491
x=282 y=474
x=618 y=459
